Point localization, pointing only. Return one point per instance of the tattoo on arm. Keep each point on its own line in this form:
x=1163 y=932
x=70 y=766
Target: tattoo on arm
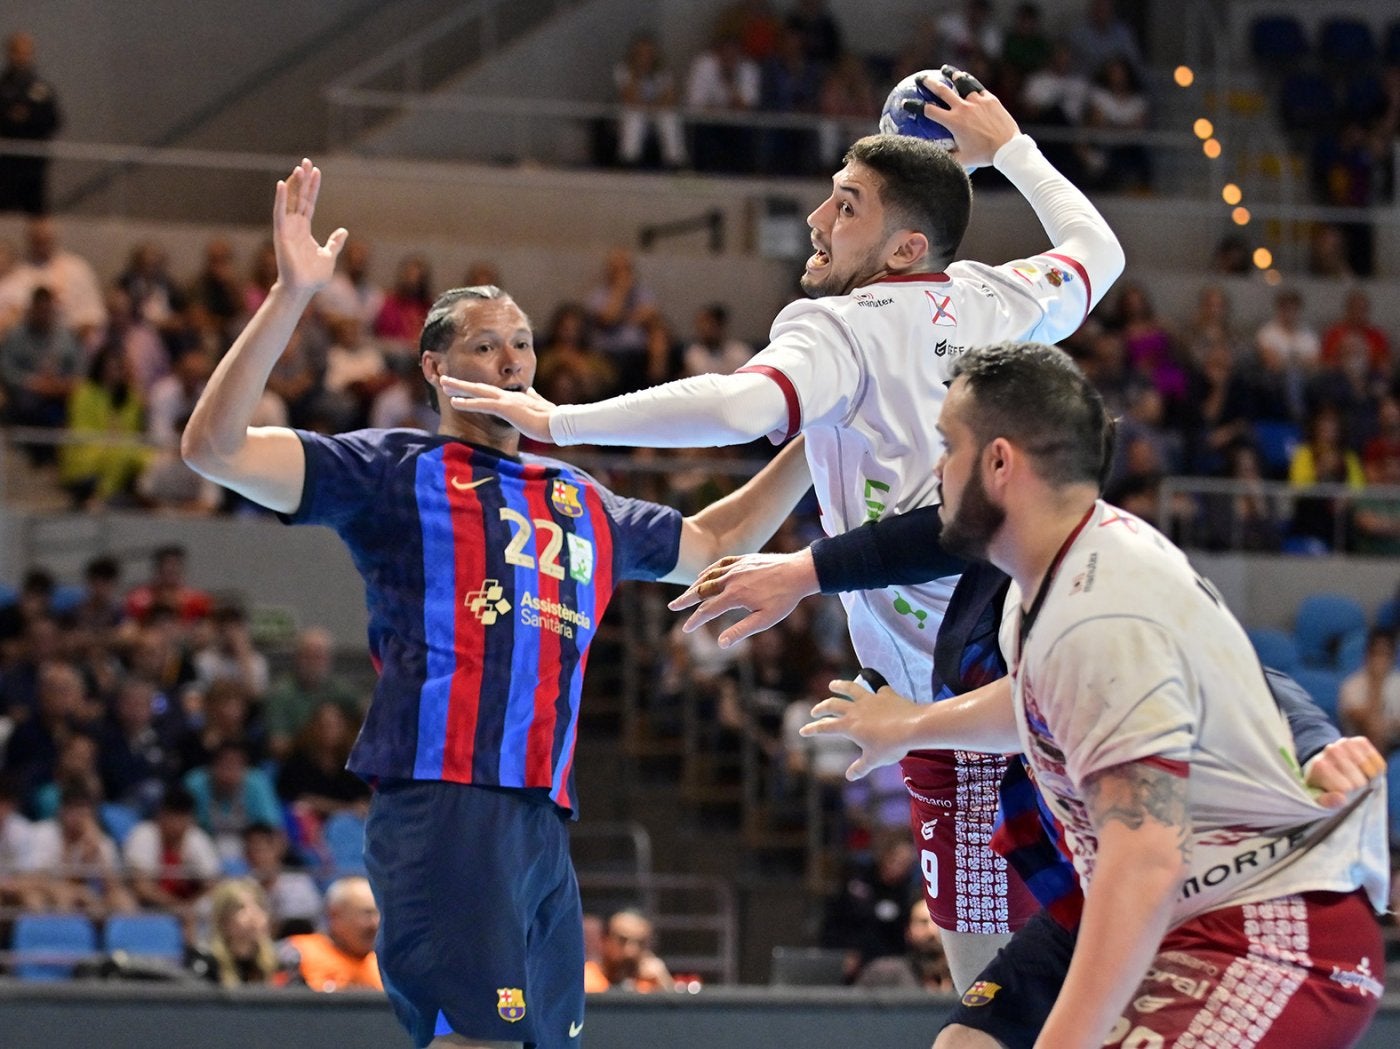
x=1138 y=792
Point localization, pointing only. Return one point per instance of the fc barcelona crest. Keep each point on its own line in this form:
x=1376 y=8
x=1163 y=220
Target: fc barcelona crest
x=564 y=496
x=980 y=993
x=510 y=1003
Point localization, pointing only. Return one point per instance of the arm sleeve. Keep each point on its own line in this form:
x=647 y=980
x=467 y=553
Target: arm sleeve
x=1076 y=229
x=899 y=551
x=1310 y=727
x=648 y=536
x=701 y=412
x=342 y=477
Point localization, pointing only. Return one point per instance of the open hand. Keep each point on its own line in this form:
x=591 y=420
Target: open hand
x=877 y=722
x=302 y=263
x=767 y=586
x=527 y=411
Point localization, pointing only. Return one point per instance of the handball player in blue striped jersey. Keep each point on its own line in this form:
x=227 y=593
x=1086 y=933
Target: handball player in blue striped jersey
x=486 y=572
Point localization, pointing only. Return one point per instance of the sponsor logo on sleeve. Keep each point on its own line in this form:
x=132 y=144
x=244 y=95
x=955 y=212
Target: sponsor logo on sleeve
x=980 y=993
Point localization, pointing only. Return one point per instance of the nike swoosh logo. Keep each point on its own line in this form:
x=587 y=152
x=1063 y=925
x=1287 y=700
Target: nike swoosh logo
x=463 y=486
x=575 y=1030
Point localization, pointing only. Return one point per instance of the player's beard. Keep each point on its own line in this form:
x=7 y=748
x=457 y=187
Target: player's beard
x=832 y=282
x=969 y=532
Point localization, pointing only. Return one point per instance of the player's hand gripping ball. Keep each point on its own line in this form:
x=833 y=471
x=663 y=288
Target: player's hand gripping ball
x=904 y=109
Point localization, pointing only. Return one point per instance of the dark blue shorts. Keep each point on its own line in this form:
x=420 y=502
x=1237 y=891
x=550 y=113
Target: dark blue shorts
x=1012 y=997
x=481 y=931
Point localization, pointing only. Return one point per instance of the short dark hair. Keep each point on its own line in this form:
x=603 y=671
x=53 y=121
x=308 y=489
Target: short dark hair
x=440 y=326
x=178 y=799
x=103 y=568
x=168 y=550
x=1035 y=396
x=922 y=186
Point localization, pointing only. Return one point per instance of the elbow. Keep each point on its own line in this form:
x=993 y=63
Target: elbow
x=198 y=451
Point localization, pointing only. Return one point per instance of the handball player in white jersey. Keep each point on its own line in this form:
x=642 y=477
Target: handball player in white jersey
x=861 y=368
x=1223 y=904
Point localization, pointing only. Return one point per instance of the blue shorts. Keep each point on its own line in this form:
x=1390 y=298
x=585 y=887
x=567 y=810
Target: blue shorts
x=481 y=931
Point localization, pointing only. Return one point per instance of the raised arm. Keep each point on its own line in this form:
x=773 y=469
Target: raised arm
x=745 y=519
x=266 y=464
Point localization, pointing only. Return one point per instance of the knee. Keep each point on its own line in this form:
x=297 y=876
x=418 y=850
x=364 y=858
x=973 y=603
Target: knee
x=956 y=1036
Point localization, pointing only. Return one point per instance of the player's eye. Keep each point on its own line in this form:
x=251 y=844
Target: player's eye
x=844 y=208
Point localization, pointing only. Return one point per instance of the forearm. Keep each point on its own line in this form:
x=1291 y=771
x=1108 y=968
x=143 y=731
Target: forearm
x=704 y=411
x=218 y=426
x=902 y=550
x=1127 y=912
x=1073 y=224
x=983 y=720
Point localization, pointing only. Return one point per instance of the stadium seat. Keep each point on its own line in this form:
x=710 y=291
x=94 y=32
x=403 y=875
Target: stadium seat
x=1275 y=39
x=1307 y=103
x=344 y=837
x=49 y=945
x=807 y=967
x=1346 y=43
x=1275 y=648
x=1323 y=686
x=66 y=597
x=1363 y=97
x=148 y=935
x=117 y=820
x=1392 y=772
x=1351 y=652
x=1388 y=615
x=1322 y=621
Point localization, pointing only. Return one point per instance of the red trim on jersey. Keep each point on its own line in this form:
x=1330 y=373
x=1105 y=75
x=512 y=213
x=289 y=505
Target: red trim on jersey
x=901 y=278
x=794 y=406
x=602 y=594
x=1083 y=275
x=469 y=553
x=539 y=743
x=1171 y=765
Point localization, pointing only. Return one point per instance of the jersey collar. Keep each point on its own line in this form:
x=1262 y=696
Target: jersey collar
x=906 y=278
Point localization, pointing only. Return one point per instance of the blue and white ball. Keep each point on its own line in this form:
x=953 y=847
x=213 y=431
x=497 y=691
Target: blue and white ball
x=895 y=119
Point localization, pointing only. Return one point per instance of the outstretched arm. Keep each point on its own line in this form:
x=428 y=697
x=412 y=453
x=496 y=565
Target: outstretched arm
x=266 y=464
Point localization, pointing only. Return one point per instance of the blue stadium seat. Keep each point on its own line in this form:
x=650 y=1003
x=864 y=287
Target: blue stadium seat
x=1392 y=771
x=1319 y=626
x=344 y=837
x=1277 y=38
x=148 y=935
x=66 y=597
x=1323 y=686
x=1275 y=648
x=117 y=820
x=1346 y=43
x=1388 y=615
x=49 y=945
x=1351 y=652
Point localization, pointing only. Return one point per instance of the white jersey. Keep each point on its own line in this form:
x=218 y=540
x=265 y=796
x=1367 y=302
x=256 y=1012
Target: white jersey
x=1132 y=657
x=865 y=376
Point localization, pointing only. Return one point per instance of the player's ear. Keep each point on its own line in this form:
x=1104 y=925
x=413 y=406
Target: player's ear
x=910 y=248
x=997 y=459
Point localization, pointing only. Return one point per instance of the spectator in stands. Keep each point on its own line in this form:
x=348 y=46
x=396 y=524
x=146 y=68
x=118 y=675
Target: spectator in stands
x=77 y=763
x=1377 y=521
x=1117 y=103
x=628 y=960
x=866 y=918
x=847 y=95
x=1384 y=445
x=821 y=35
x=158 y=651
x=1217 y=410
x=152 y=294
x=1347 y=169
x=107 y=408
x=172 y=862
x=16 y=846
x=402 y=402
x=1368 y=703
x=619 y=309
x=218 y=290
x=351 y=292
x=294 y=900
x=172 y=398
x=1057 y=95
x=1209 y=326
x=341 y=958
x=141 y=744
x=167 y=587
x=137 y=340
x=34 y=601
x=224 y=715
x=31 y=753
x=296 y=377
x=1152 y=354
x=312 y=682
x=1247 y=519
x=40 y=367
x=229 y=652
x=569 y=364
x=28 y=110
x=924 y=965
x=971 y=33
x=1356 y=320
x=77 y=294
x=1323 y=459
x=74 y=865
x=723 y=80
x=753 y=24
x=99 y=612
x=790 y=82
x=262 y=274
x=240 y=951
x=24 y=657
x=406 y=304
x=230 y=796
x=714 y=350
x=1231 y=256
x=356 y=370
x=1352 y=387
x=647 y=94
x=168 y=486
x=314 y=779
x=1287 y=351
x=1027 y=47
x=1102 y=36
x=661 y=353
x=1327 y=252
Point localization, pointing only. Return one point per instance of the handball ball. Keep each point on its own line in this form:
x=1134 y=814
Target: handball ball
x=896 y=120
